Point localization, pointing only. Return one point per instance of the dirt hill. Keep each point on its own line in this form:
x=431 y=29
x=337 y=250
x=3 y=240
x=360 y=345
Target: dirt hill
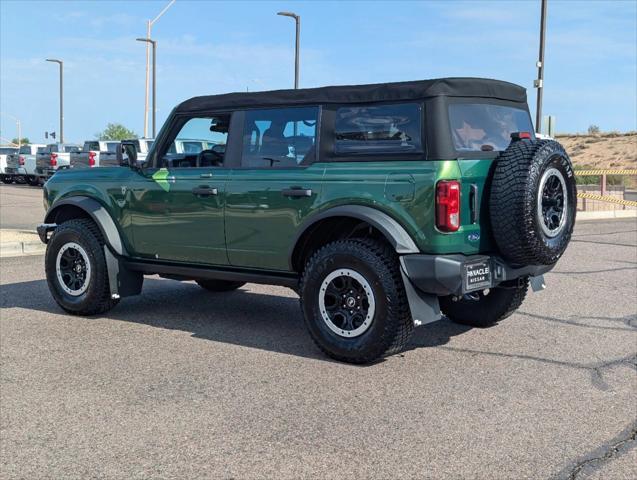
x=605 y=150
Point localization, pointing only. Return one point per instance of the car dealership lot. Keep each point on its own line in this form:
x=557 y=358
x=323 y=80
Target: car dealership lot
x=182 y=383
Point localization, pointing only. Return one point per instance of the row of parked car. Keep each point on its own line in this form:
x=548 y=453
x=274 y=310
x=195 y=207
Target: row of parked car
x=36 y=163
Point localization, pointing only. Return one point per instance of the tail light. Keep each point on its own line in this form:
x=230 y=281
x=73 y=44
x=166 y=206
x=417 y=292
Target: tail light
x=21 y=160
x=91 y=159
x=54 y=159
x=448 y=205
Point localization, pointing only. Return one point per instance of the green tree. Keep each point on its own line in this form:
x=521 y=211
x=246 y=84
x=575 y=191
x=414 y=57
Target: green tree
x=116 y=131
x=24 y=141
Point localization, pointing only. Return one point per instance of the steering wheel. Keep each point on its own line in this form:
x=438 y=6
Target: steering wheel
x=214 y=158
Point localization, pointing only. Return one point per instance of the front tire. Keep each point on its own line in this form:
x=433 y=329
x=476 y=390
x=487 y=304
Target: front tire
x=479 y=310
x=76 y=268
x=5 y=179
x=354 y=301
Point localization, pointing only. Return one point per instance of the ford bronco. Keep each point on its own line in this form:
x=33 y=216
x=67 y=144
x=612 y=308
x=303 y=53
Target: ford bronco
x=383 y=206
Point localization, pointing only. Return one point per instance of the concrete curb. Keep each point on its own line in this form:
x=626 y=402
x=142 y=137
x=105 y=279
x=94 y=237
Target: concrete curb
x=606 y=214
x=20 y=249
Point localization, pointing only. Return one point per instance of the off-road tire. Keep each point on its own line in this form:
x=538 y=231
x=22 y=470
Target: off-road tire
x=515 y=221
x=488 y=310
x=5 y=179
x=97 y=297
x=391 y=326
x=219 y=285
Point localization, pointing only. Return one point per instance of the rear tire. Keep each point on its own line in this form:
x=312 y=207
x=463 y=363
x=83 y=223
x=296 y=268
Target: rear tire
x=76 y=268
x=219 y=285
x=488 y=310
x=354 y=301
x=33 y=181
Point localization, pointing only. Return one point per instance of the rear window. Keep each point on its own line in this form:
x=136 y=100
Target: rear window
x=8 y=151
x=378 y=129
x=482 y=127
x=91 y=146
x=25 y=149
x=71 y=149
x=111 y=147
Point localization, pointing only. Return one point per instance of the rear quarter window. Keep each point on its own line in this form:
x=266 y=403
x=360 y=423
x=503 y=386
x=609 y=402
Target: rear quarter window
x=477 y=127
x=378 y=129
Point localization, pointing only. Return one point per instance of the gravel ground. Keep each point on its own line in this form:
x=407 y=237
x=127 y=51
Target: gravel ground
x=181 y=383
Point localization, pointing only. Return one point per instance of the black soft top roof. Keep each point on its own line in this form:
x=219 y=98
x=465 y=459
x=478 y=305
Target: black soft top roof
x=377 y=92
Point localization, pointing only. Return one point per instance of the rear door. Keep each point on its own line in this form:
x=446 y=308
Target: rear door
x=274 y=187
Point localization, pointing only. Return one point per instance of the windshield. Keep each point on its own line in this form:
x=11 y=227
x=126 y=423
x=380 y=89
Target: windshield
x=483 y=127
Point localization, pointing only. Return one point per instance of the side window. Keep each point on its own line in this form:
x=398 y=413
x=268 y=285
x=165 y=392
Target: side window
x=201 y=142
x=283 y=137
x=378 y=129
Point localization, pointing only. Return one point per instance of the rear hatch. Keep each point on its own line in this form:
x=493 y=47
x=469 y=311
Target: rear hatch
x=43 y=158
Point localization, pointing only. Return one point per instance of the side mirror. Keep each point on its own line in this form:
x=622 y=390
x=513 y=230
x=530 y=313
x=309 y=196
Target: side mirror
x=128 y=155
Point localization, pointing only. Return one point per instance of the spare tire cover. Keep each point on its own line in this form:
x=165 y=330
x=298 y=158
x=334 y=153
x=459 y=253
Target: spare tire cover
x=532 y=202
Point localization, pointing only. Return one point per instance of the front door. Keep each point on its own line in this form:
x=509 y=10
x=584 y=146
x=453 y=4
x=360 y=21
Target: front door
x=177 y=209
x=274 y=187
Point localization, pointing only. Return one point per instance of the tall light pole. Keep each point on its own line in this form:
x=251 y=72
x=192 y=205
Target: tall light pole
x=18 y=127
x=154 y=44
x=297 y=19
x=539 y=83
x=149 y=25
x=61 y=64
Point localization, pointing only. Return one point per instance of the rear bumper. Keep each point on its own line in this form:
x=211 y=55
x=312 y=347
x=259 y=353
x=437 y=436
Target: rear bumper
x=44 y=172
x=15 y=171
x=443 y=275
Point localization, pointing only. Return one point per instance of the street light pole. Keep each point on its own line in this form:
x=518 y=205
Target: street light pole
x=154 y=44
x=539 y=83
x=149 y=25
x=61 y=64
x=297 y=20
x=18 y=127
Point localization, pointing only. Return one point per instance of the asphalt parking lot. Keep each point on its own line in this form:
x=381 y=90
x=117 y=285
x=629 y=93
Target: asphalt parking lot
x=182 y=383
x=20 y=206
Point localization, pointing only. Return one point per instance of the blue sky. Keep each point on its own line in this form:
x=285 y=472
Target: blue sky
x=207 y=47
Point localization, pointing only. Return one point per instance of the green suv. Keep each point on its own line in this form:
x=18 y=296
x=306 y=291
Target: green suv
x=383 y=206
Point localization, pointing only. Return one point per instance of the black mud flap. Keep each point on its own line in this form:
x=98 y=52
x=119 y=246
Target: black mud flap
x=123 y=281
x=424 y=307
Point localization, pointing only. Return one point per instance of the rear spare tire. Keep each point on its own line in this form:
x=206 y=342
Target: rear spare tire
x=532 y=202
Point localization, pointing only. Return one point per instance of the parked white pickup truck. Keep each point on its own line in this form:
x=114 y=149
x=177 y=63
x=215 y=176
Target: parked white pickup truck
x=53 y=157
x=4 y=152
x=21 y=165
x=96 y=153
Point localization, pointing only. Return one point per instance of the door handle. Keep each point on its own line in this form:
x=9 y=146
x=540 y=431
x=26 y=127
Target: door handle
x=204 y=191
x=297 y=192
x=473 y=203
